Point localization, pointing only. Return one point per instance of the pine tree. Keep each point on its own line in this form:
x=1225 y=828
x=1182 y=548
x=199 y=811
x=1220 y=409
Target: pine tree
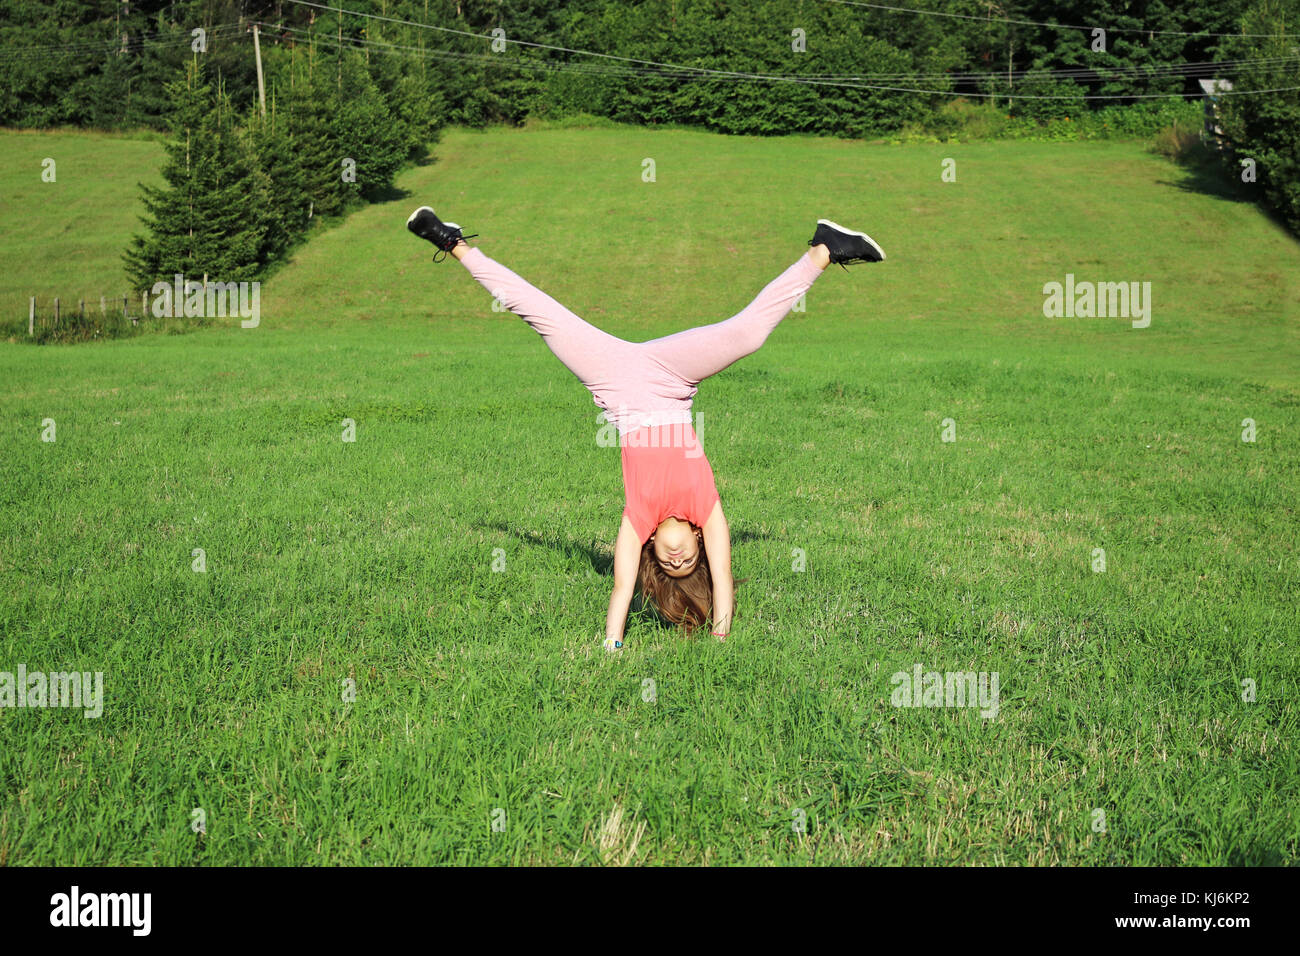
x=318 y=152
x=234 y=224
x=209 y=217
x=167 y=243
x=367 y=130
x=278 y=157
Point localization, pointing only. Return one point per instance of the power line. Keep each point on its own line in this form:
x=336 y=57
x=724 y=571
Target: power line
x=676 y=71
x=115 y=41
x=1098 y=74
x=136 y=44
x=1054 y=26
x=631 y=66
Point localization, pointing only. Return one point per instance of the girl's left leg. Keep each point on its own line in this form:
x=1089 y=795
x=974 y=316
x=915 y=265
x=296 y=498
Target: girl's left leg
x=694 y=355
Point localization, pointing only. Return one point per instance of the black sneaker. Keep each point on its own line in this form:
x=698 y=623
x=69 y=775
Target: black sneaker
x=846 y=245
x=425 y=224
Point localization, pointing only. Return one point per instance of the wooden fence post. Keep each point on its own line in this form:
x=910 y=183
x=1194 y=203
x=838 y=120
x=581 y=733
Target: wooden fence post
x=56 y=311
x=31 y=316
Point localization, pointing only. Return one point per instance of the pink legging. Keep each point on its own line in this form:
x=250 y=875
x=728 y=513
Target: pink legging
x=630 y=380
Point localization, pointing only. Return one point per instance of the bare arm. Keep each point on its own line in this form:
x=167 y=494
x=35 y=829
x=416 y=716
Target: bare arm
x=717 y=545
x=627 y=557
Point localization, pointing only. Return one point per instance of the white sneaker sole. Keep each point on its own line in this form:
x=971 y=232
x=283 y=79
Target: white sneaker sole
x=853 y=232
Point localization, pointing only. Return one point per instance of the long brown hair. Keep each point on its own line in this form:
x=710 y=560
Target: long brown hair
x=686 y=601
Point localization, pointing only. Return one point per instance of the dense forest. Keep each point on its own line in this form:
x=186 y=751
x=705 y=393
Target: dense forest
x=355 y=88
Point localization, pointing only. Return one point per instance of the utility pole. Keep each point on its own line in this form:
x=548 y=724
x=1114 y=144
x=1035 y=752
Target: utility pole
x=261 y=86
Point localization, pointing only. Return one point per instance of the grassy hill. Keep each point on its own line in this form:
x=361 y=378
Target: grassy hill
x=482 y=693
x=65 y=238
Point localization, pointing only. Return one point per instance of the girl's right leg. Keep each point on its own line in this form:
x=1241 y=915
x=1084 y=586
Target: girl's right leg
x=595 y=357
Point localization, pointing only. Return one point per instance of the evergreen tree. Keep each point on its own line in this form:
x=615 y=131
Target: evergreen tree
x=278 y=156
x=317 y=151
x=209 y=216
x=367 y=131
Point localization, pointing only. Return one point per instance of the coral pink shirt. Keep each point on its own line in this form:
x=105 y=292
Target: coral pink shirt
x=665 y=473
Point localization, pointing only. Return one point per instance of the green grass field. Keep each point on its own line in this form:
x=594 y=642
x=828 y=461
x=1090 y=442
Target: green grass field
x=483 y=696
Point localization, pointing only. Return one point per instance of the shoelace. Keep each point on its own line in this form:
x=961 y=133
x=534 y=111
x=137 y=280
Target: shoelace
x=443 y=252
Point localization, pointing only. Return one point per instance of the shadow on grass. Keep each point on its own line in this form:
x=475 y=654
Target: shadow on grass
x=1209 y=172
x=603 y=564
x=387 y=194
x=1206 y=172
x=601 y=561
